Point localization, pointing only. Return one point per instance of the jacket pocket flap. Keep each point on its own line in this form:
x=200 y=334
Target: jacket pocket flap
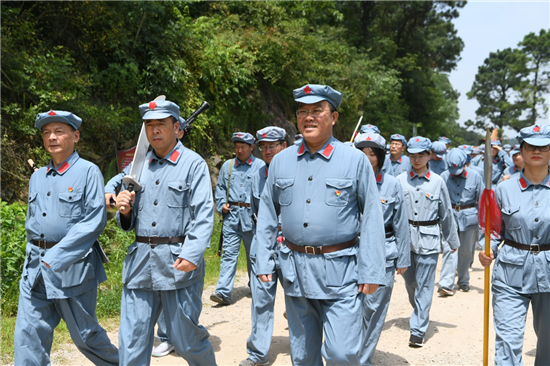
x=339 y=182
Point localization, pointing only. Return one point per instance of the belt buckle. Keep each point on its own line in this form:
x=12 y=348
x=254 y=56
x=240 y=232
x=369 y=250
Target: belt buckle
x=309 y=247
x=457 y=208
x=532 y=250
x=416 y=223
x=149 y=240
x=42 y=244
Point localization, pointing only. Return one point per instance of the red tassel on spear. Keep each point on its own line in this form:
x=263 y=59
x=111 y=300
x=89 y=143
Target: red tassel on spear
x=490 y=221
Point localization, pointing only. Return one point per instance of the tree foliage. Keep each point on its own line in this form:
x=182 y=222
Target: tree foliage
x=101 y=60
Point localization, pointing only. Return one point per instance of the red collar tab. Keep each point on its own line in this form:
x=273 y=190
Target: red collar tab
x=428 y=175
x=266 y=172
x=302 y=148
x=307 y=90
x=48 y=169
x=51 y=113
x=249 y=161
x=411 y=173
x=63 y=168
x=379 y=178
x=327 y=151
x=150 y=158
x=174 y=156
x=465 y=173
x=400 y=159
x=152 y=105
x=523 y=183
x=515 y=168
x=237 y=162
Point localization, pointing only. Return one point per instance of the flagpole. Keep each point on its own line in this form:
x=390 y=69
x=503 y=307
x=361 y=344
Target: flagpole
x=486 y=287
x=355 y=131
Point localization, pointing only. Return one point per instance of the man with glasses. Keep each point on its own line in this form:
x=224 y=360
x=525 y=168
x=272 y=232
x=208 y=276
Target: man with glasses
x=233 y=202
x=329 y=207
x=400 y=163
x=271 y=141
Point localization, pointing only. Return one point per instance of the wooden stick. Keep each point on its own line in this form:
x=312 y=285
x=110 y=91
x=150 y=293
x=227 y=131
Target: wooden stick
x=355 y=131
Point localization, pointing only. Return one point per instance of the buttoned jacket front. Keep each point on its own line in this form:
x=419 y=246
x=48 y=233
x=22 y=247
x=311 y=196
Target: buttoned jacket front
x=400 y=165
x=325 y=198
x=175 y=200
x=464 y=190
x=67 y=206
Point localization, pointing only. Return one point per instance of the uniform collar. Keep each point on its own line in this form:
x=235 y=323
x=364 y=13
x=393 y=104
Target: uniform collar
x=464 y=174
x=325 y=151
x=64 y=166
x=249 y=161
x=427 y=175
x=400 y=160
x=524 y=183
x=172 y=157
x=379 y=178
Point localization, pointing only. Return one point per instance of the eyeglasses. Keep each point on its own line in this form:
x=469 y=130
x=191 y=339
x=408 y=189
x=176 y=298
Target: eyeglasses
x=533 y=148
x=302 y=113
x=272 y=147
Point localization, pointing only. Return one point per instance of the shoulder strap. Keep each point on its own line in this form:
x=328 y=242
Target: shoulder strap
x=229 y=179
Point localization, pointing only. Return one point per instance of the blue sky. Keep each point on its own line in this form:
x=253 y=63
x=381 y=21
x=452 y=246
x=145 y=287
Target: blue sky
x=488 y=26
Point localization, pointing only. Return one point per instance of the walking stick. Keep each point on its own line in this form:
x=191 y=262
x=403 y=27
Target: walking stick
x=355 y=131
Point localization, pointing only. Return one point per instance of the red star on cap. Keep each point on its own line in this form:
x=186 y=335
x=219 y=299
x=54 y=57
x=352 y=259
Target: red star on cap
x=239 y=135
x=454 y=165
x=536 y=129
x=152 y=105
x=307 y=89
x=417 y=140
x=52 y=113
x=368 y=138
x=264 y=135
x=396 y=135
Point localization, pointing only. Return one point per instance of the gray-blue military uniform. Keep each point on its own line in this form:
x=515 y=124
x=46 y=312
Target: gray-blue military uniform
x=65 y=216
x=439 y=166
x=500 y=163
x=429 y=208
x=402 y=164
x=388 y=166
x=173 y=217
x=263 y=293
x=521 y=273
x=325 y=199
x=394 y=211
x=237 y=223
x=512 y=170
x=465 y=188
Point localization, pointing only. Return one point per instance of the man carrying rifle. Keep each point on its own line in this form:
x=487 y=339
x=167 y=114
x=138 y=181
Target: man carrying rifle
x=173 y=217
x=233 y=202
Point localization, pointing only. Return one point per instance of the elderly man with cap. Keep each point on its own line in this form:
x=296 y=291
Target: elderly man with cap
x=437 y=160
x=233 y=202
x=430 y=213
x=63 y=259
x=271 y=141
x=465 y=188
x=327 y=197
x=399 y=163
x=398 y=247
x=516 y=168
x=173 y=217
x=521 y=251
x=165 y=347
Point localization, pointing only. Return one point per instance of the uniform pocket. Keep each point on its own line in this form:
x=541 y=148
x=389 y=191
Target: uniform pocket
x=510 y=267
x=180 y=276
x=286 y=262
x=128 y=262
x=509 y=219
x=79 y=272
x=284 y=190
x=177 y=193
x=341 y=267
x=70 y=204
x=32 y=204
x=431 y=202
x=387 y=204
x=338 y=191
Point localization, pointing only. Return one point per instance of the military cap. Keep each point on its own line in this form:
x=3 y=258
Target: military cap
x=243 y=137
x=369 y=128
x=456 y=159
x=418 y=144
x=439 y=148
x=398 y=137
x=536 y=135
x=514 y=152
x=159 y=109
x=468 y=149
x=68 y=118
x=313 y=93
x=445 y=140
x=183 y=123
x=370 y=139
x=270 y=134
x=496 y=142
x=507 y=147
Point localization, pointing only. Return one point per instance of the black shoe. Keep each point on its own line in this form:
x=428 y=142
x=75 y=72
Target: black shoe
x=416 y=342
x=220 y=299
x=464 y=288
x=444 y=291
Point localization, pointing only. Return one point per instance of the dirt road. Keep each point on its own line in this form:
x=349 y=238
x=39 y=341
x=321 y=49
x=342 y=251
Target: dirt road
x=454 y=337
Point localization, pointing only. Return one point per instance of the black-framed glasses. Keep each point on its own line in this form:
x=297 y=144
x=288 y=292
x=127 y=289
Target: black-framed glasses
x=529 y=147
x=271 y=147
x=303 y=113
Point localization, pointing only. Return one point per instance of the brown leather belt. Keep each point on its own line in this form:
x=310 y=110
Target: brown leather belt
x=240 y=204
x=423 y=223
x=160 y=239
x=460 y=208
x=43 y=244
x=280 y=228
x=535 y=248
x=308 y=249
x=389 y=234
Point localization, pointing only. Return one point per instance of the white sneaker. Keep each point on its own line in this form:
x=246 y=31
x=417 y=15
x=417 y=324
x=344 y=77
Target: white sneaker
x=163 y=349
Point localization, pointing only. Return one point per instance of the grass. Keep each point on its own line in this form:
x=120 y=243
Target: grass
x=115 y=242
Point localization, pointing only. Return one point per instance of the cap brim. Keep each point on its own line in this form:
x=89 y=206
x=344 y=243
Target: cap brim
x=455 y=171
x=156 y=115
x=440 y=155
x=269 y=139
x=415 y=151
x=537 y=141
x=363 y=144
x=238 y=139
x=57 y=118
x=311 y=99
